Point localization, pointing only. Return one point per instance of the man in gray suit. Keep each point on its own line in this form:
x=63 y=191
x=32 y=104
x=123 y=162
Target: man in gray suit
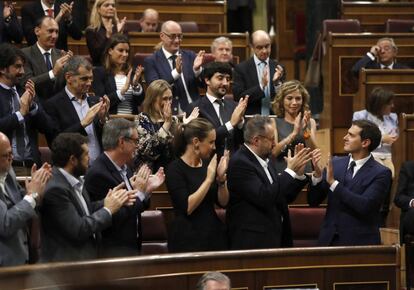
x=17 y=206
x=71 y=223
x=44 y=62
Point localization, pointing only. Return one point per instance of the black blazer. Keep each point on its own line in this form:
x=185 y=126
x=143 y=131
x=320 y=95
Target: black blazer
x=405 y=193
x=68 y=233
x=120 y=239
x=245 y=82
x=367 y=62
x=224 y=139
x=11 y=31
x=257 y=207
x=40 y=122
x=65 y=118
x=104 y=84
x=33 y=11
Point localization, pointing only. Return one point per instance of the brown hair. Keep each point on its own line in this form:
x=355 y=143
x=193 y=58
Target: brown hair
x=113 y=42
x=153 y=93
x=377 y=100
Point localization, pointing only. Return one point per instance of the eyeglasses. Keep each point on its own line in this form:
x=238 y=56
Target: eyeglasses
x=7 y=155
x=271 y=139
x=174 y=36
x=135 y=141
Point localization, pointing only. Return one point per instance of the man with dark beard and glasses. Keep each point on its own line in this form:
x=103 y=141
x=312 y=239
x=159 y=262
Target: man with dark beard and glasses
x=71 y=223
x=21 y=117
x=257 y=212
x=225 y=114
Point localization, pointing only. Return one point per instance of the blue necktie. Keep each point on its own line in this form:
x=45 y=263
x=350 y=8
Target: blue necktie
x=265 y=109
x=47 y=60
x=349 y=173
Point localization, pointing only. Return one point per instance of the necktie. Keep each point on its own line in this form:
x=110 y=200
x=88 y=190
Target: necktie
x=47 y=60
x=349 y=174
x=20 y=143
x=222 y=116
x=49 y=12
x=173 y=57
x=265 y=109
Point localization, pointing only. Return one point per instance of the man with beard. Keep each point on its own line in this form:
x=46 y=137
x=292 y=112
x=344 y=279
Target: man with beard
x=356 y=186
x=120 y=141
x=71 y=223
x=224 y=113
x=257 y=212
x=73 y=110
x=258 y=76
x=20 y=115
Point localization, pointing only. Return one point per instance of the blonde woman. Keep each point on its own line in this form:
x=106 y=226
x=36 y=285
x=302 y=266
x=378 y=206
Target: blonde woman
x=293 y=124
x=103 y=23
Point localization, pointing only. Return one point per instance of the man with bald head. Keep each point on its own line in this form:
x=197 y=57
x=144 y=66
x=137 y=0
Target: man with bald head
x=258 y=77
x=17 y=206
x=178 y=67
x=149 y=20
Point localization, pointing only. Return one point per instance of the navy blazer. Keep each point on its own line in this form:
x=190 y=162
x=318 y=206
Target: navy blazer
x=367 y=62
x=39 y=122
x=157 y=67
x=257 y=213
x=245 y=82
x=121 y=239
x=353 y=213
x=66 y=119
x=33 y=11
x=104 y=84
x=224 y=139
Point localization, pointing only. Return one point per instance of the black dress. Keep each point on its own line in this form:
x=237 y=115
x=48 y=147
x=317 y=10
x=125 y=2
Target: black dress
x=202 y=230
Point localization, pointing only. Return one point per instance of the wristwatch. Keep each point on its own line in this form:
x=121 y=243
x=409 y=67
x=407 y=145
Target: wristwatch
x=35 y=196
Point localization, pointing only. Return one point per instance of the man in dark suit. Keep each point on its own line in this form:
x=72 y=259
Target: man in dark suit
x=224 y=113
x=21 y=117
x=120 y=140
x=17 y=206
x=73 y=110
x=356 y=186
x=257 y=212
x=258 y=76
x=60 y=10
x=44 y=62
x=381 y=56
x=71 y=223
x=10 y=30
x=404 y=198
x=178 y=67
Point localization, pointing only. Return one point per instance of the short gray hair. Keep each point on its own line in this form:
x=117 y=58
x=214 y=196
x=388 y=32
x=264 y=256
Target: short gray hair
x=115 y=129
x=391 y=40
x=218 y=40
x=74 y=63
x=212 y=276
x=256 y=126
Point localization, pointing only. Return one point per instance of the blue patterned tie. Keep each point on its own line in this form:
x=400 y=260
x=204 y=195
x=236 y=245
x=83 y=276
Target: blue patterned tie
x=349 y=173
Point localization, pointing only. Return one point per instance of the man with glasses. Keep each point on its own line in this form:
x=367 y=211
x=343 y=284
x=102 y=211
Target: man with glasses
x=257 y=212
x=178 y=67
x=73 y=110
x=120 y=143
x=258 y=77
x=381 y=56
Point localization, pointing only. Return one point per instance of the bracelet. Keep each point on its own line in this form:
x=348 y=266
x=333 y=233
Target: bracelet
x=7 y=19
x=221 y=183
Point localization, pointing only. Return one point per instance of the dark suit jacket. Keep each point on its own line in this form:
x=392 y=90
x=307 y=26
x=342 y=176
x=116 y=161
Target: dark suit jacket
x=257 y=207
x=157 y=67
x=14 y=215
x=104 y=84
x=68 y=233
x=35 y=69
x=10 y=31
x=120 y=239
x=65 y=118
x=367 y=62
x=245 y=82
x=405 y=193
x=353 y=212
x=33 y=11
x=39 y=122
x=224 y=139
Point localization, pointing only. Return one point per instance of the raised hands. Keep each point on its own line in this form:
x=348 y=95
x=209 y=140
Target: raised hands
x=265 y=76
x=154 y=181
x=329 y=171
x=198 y=61
x=91 y=114
x=239 y=111
x=316 y=162
x=298 y=162
x=278 y=74
x=222 y=167
x=211 y=169
x=39 y=180
x=179 y=64
x=8 y=9
x=103 y=111
x=26 y=99
x=194 y=114
x=140 y=179
x=121 y=25
x=65 y=12
x=117 y=197
x=60 y=62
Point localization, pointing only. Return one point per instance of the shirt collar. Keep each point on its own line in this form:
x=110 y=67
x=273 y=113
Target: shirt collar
x=72 y=96
x=257 y=61
x=211 y=98
x=3 y=177
x=42 y=51
x=167 y=53
x=46 y=7
x=263 y=163
x=6 y=87
x=389 y=66
x=358 y=163
x=73 y=181
x=122 y=169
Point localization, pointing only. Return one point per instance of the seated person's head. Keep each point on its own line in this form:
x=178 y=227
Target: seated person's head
x=222 y=49
x=213 y=281
x=171 y=36
x=292 y=98
x=11 y=64
x=157 y=96
x=363 y=137
x=380 y=102
x=78 y=75
x=387 y=50
x=149 y=20
x=217 y=76
x=116 y=54
x=47 y=32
